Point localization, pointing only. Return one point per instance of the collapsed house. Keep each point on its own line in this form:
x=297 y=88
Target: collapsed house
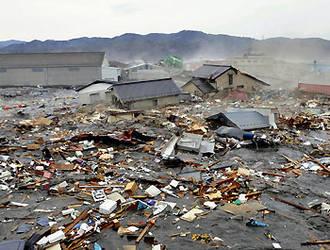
x=210 y=79
x=272 y=113
x=245 y=120
x=94 y=92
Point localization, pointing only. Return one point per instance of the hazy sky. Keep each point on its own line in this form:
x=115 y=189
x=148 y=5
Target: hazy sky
x=64 y=19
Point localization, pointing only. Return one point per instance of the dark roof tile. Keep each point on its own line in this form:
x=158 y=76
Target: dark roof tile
x=203 y=86
x=133 y=91
x=246 y=120
x=210 y=71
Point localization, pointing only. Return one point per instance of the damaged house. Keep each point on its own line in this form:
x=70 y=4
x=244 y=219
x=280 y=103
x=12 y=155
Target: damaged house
x=94 y=92
x=210 y=78
x=245 y=120
x=144 y=94
x=143 y=71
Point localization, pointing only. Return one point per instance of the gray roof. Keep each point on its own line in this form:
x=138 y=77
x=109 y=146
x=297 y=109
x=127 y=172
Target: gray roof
x=210 y=71
x=213 y=71
x=140 y=90
x=202 y=85
x=248 y=120
x=73 y=59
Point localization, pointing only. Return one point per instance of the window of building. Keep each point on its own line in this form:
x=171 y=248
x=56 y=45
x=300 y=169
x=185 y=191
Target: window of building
x=113 y=99
x=95 y=97
x=230 y=79
x=3 y=70
x=37 y=70
x=240 y=86
x=74 y=68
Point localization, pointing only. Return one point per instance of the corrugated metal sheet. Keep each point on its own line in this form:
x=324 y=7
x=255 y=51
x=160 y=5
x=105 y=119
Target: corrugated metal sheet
x=207 y=147
x=314 y=88
x=190 y=142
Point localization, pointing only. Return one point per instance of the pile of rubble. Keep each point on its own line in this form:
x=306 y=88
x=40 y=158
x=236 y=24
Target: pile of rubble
x=95 y=178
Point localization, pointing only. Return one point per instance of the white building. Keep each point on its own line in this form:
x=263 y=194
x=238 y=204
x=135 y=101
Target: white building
x=94 y=92
x=144 y=71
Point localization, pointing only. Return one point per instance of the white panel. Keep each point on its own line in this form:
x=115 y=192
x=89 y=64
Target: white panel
x=110 y=73
x=95 y=88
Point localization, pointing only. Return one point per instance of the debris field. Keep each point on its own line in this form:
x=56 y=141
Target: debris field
x=189 y=176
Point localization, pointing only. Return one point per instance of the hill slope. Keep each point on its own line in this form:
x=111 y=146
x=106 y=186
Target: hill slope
x=186 y=44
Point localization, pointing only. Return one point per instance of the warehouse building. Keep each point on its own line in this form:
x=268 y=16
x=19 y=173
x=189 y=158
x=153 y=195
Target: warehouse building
x=55 y=69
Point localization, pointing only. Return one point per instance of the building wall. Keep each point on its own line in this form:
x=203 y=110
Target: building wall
x=49 y=76
x=240 y=81
x=144 y=72
x=192 y=89
x=154 y=103
x=22 y=76
x=111 y=73
x=87 y=98
x=143 y=104
x=314 y=88
x=73 y=75
x=163 y=101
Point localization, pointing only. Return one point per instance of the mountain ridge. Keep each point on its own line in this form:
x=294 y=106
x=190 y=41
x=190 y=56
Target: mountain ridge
x=187 y=44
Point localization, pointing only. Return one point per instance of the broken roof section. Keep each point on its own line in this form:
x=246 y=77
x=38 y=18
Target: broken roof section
x=139 y=90
x=270 y=112
x=110 y=83
x=203 y=86
x=211 y=71
x=246 y=120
